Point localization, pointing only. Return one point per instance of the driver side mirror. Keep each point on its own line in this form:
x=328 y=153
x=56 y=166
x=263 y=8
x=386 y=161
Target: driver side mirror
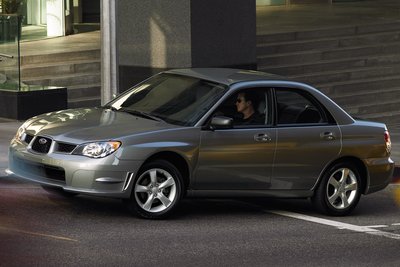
x=221 y=122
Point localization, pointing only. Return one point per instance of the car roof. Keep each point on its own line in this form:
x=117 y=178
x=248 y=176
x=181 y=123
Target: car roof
x=227 y=76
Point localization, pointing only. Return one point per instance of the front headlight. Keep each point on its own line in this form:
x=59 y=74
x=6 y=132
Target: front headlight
x=20 y=133
x=21 y=130
x=97 y=149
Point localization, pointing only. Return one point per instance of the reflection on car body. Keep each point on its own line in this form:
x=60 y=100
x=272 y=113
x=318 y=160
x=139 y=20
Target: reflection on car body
x=174 y=135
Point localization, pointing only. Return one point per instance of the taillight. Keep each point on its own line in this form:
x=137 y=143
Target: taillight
x=388 y=142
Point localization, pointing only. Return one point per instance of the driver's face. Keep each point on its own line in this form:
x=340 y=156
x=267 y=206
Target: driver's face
x=241 y=103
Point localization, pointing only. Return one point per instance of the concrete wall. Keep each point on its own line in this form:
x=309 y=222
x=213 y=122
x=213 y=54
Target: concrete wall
x=223 y=33
x=155 y=35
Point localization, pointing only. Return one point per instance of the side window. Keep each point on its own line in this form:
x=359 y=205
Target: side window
x=248 y=108
x=294 y=107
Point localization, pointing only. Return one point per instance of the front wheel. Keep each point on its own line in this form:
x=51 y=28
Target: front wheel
x=339 y=190
x=157 y=190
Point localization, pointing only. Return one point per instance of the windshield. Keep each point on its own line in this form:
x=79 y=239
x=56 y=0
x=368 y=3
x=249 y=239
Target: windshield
x=176 y=99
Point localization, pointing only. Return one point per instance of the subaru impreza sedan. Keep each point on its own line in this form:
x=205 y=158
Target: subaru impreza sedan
x=207 y=133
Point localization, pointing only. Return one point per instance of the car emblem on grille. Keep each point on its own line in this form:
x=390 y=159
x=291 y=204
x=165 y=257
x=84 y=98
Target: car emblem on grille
x=42 y=141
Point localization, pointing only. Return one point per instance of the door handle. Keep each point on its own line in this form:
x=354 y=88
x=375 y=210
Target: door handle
x=262 y=137
x=328 y=136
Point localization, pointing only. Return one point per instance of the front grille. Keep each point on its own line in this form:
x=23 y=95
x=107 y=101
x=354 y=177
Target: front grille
x=28 y=138
x=41 y=144
x=64 y=147
x=42 y=170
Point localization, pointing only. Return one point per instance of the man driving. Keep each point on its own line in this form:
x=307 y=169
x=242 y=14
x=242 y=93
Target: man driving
x=245 y=104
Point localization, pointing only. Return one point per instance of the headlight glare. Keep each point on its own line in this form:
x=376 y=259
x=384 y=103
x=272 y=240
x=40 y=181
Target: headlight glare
x=98 y=149
x=20 y=133
x=21 y=130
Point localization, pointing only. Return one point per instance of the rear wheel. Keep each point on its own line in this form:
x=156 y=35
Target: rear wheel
x=157 y=190
x=339 y=190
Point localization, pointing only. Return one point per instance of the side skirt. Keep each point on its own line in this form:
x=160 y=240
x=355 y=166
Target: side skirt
x=251 y=193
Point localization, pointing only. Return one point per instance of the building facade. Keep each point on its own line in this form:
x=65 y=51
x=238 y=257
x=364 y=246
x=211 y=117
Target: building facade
x=53 y=18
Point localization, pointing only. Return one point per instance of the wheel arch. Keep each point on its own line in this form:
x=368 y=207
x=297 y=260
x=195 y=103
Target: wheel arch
x=175 y=159
x=358 y=163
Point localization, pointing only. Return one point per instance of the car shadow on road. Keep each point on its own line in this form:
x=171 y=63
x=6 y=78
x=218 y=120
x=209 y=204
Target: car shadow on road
x=379 y=204
x=187 y=209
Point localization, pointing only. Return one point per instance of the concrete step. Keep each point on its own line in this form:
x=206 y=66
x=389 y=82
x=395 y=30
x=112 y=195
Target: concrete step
x=86 y=27
x=360 y=110
x=66 y=80
x=305 y=35
x=84 y=90
x=60 y=68
x=348 y=74
x=331 y=65
x=84 y=102
x=336 y=32
x=357 y=66
x=309 y=57
x=78 y=71
x=328 y=43
x=297 y=46
x=389 y=118
x=93 y=54
x=264 y=61
x=369 y=50
x=371 y=98
x=377 y=107
x=358 y=87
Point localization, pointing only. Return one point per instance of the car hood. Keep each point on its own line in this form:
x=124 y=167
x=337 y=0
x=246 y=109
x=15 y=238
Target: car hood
x=89 y=124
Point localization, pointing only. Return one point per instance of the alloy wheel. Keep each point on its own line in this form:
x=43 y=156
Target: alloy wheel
x=155 y=190
x=342 y=188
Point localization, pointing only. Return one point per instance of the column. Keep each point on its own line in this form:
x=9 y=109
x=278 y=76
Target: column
x=109 y=60
x=156 y=35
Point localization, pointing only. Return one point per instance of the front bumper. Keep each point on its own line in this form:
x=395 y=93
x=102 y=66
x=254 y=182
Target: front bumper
x=109 y=176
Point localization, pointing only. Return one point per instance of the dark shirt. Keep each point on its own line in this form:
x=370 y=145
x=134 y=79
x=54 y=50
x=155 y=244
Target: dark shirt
x=254 y=119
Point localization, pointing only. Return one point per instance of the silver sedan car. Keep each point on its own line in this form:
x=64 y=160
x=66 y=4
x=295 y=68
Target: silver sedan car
x=209 y=133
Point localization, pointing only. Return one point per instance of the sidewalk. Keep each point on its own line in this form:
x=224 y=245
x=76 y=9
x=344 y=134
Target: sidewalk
x=8 y=128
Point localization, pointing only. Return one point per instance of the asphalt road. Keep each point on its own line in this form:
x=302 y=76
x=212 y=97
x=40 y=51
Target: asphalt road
x=38 y=228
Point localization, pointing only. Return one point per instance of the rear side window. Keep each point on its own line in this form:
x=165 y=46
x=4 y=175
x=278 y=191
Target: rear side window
x=298 y=108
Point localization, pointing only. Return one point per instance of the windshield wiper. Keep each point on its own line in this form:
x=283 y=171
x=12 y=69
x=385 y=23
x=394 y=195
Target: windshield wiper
x=135 y=112
x=109 y=107
x=140 y=113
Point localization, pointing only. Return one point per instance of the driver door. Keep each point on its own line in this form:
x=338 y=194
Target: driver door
x=239 y=158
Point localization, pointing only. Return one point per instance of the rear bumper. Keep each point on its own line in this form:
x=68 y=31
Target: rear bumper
x=380 y=174
x=396 y=175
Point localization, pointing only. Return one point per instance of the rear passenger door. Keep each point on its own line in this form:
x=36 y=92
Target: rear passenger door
x=307 y=140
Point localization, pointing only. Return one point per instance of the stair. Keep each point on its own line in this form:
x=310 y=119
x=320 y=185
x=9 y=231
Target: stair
x=357 y=66
x=78 y=71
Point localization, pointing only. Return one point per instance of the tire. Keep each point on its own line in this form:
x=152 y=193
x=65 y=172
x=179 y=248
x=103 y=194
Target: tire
x=157 y=190
x=339 y=191
x=58 y=191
